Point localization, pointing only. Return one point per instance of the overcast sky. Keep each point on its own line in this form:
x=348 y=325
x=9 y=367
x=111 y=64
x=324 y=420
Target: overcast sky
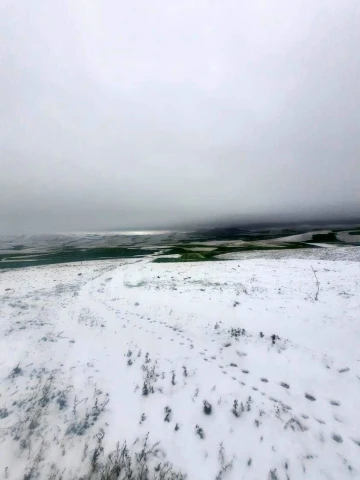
x=136 y=113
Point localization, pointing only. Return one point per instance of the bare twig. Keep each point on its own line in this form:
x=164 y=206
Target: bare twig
x=317 y=284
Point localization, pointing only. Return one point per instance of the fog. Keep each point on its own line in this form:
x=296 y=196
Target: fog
x=131 y=114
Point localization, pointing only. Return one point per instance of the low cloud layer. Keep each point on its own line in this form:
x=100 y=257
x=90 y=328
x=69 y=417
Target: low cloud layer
x=130 y=114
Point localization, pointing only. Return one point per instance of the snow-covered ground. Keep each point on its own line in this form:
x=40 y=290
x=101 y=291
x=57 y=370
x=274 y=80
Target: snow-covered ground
x=324 y=253
x=232 y=366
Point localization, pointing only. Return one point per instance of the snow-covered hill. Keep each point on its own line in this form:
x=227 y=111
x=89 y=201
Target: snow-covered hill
x=233 y=367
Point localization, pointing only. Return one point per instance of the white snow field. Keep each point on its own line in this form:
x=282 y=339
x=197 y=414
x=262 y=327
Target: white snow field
x=233 y=367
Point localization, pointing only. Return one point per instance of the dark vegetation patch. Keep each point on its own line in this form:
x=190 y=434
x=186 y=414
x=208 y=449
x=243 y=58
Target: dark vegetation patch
x=212 y=255
x=325 y=237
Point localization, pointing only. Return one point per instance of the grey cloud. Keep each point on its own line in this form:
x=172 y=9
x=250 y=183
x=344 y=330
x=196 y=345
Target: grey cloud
x=124 y=114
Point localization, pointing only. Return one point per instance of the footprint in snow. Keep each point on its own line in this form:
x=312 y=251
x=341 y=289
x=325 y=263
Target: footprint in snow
x=241 y=354
x=335 y=403
x=273 y=399
x=265 y=380
x=337 y=438
x=310 y=397
x=285 y=385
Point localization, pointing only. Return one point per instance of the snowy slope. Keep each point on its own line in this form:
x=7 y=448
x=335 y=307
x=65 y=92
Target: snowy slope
x=301 y=237
x=325 y=253
x=103 y=352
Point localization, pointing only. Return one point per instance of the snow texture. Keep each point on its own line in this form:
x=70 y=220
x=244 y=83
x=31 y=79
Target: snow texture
x=233 y=367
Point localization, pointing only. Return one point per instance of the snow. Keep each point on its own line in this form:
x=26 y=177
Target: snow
x=301 y=237
x=82 y=338
x=334 y=253
x=347 y=238
x=322 y=245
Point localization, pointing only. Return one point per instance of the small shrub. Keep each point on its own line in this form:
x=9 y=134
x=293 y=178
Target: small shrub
x=167 y=414
x=4 y=412
x=273 y=475
x=207 y=408
x=98 y=450
x=79 y=426
x=237 y=332
x=223 y=466
x=16 y=372
x=237 y=410
x=200 y=432
x=62 y=400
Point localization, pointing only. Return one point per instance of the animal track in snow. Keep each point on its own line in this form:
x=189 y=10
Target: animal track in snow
x=285 y=385
x=337 y=438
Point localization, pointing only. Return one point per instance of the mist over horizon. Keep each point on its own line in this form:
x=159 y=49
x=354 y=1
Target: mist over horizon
x=303 y=224
x=120 y=115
